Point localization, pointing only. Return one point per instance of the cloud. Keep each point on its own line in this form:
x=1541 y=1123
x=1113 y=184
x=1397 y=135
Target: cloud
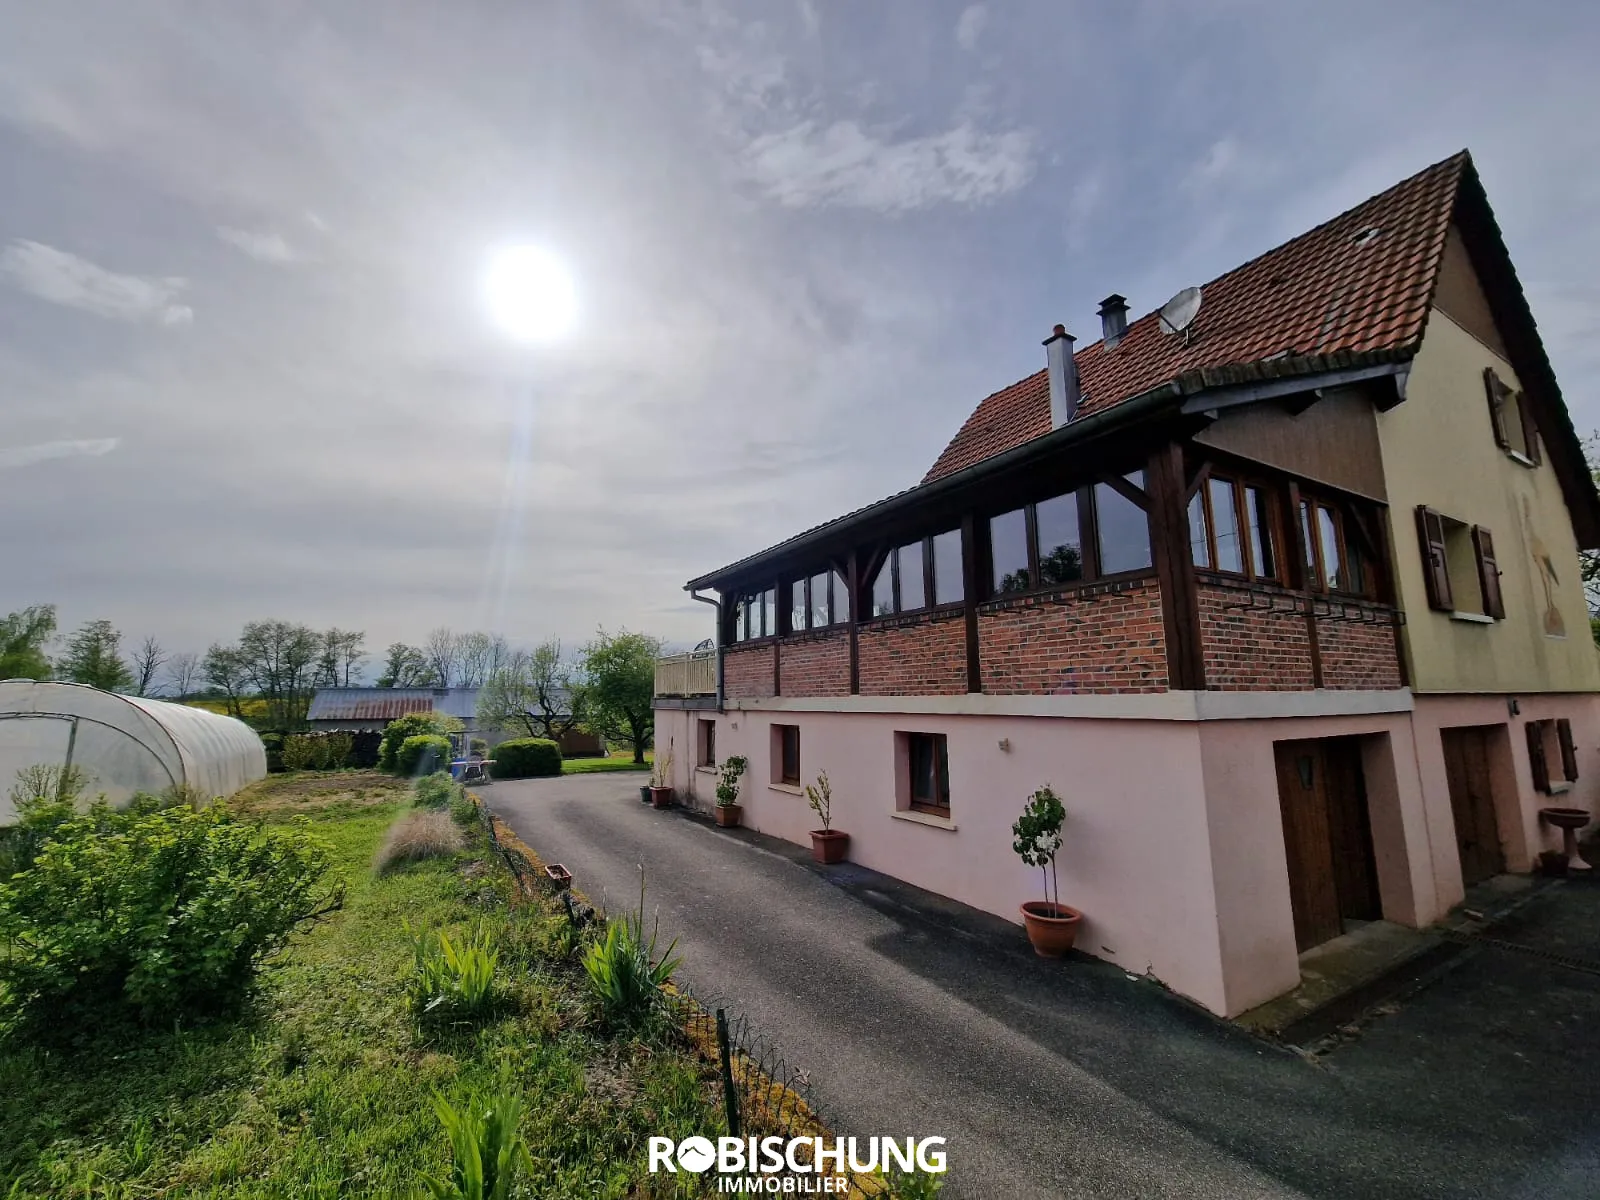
x=847 y=165
x=969 y=27
x=63 y=278
x=1221 y=159
x=263 y=246
x=24 y=456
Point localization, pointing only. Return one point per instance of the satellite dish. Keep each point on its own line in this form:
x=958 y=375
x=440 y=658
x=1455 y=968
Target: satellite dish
x=1179 y=313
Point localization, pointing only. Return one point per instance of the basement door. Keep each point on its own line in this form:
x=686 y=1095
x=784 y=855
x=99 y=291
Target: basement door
x=1466 y=766
x=1333 y=877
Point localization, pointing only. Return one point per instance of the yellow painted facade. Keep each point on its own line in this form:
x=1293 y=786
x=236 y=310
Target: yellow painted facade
x=1439 y=450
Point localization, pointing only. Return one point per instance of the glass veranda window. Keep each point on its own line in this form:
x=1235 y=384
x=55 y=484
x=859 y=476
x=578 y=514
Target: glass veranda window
x=1124 y=531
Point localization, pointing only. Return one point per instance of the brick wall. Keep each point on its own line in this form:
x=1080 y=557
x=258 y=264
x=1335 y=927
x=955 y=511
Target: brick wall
x=1111 y=641
x=923 y=657
x=1252 y=650
x=1357 y=656
x=747 y=672
x=815 y=664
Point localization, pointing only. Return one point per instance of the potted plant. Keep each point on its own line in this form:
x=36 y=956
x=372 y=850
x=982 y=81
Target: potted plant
x=661 y=781
x=728 y=808
x=1051 y=925
x=828 y=845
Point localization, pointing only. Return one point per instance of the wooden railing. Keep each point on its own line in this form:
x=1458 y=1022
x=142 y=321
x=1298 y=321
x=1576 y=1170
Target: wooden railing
x=687 y=674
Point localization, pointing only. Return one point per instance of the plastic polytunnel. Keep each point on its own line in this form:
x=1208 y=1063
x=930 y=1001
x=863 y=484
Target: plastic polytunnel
x=123 y=744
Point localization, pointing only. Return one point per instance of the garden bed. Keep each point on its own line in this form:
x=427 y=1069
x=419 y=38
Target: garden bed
x=324 y=1084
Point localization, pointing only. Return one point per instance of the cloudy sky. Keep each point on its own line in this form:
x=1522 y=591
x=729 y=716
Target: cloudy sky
x=245 y=368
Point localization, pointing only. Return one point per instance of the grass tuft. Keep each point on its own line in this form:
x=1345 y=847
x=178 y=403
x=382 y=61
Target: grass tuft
x=420 y=834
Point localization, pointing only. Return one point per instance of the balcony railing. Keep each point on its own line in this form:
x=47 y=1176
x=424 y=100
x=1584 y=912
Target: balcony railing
x=687 y=674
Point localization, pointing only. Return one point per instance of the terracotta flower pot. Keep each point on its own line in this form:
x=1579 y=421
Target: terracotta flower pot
x=728 y=815
x=559 y=876
x=1052 y=928
x=661 y=797
x=829 y=845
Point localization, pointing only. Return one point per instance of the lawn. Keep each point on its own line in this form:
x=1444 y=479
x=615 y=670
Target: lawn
x=620 y=761
x=323 y=1086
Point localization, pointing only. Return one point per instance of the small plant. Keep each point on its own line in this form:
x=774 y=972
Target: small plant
x=453 y=980
x=820 y=797
x=45 y=797
x=435 y=791
x=915 y=1184
x=415 y=836
x=462 y=809
x=47 y=783
x=625 y=976
x=1038 y=838
x=733 y=767
x=661 y=771
x=486 y=1151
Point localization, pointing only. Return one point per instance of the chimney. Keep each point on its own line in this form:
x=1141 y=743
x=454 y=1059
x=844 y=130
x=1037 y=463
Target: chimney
x=1063 y=377
x=1113 y=319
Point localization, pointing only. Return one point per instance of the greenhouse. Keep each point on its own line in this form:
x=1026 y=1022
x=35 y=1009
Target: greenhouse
x=122 y=744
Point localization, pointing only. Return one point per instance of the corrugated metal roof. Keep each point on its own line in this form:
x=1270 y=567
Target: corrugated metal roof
x=388 y=704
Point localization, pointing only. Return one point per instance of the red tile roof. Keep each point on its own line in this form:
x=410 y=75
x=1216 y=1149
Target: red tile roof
x=1360 y=282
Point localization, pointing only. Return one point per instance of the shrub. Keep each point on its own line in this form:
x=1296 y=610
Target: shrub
x=411 y=725
x=625 y=976
x=167 y=911
x=462 y=810
x=422 y=754
x=486 y=1151
x=453 y=980
x=333 y=750
x=522 y=758
x=417 y=835
x=728 y=779
x=299 y=752
x=434 y=791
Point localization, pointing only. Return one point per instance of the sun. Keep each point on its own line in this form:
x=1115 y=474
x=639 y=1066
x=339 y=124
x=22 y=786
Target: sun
x=530 y=293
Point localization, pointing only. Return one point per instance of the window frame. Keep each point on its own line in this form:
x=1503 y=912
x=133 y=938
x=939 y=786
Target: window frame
x=1088 y=537
x=780 y=772
x=1310 y=535
x=1435 y=530
x=939 y=804
x=739 y=617
x=706 y=751
x=1241 y=485
x=930 y=603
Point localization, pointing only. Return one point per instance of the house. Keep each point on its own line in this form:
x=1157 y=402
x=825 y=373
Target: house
x=359 y=708
x=1285 y=603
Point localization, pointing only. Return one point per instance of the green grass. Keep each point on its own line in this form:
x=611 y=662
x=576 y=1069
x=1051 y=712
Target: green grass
x=322 y=1088
x=588 y=766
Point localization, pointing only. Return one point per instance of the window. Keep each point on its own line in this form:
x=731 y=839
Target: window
x=821 y=605
x=1123 y=527
x=798 y=608
x=1336 y=557
x=1231 y=529
x=818 y=601
x=707 y=756
x=1459 y=569
x=755 y=615
x=1060 y=539
x=928 y=765
x=786 y=754
x=1008 y=547
x=1548 y=742
x=1511 y=417
x=913 y=572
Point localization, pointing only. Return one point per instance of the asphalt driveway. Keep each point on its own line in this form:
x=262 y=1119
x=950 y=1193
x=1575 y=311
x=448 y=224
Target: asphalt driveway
x=914 y=1016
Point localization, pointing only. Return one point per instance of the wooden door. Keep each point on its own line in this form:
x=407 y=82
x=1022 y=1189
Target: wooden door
x=1466 y=764
x=1327 y=837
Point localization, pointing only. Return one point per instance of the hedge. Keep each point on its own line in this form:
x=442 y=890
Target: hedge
x=423 y=754
x=524 y=757
x=410 y=725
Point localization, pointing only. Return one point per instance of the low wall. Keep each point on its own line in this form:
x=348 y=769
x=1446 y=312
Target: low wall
x=1095 y=640
x=747 y=672
x=924 y=655
x=815 y=664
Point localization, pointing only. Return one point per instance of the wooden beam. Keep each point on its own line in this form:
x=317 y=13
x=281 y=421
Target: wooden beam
x=1299 y=553
x=853 y=586
x=1169 y=546
x=1197 y=480
x=1132 y=491
x=969 y=592
x=1316 y=644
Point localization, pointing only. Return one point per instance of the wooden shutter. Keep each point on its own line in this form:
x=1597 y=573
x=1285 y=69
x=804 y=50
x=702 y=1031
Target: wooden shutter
x=1530 y=428
x=1536 y=759
x=1569 y=752
x=1488 y=572
x=1496 y=392
x=1430 y=539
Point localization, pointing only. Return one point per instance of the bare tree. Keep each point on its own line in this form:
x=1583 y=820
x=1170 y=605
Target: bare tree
x=442 y=651
x=147 y=659
x=532 y=692
x=183 y=673
x=475 y=650
x=351 y=653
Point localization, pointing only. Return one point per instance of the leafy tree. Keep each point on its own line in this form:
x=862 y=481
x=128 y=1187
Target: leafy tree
x=23 y=637
x=225 y=670
x=279 y=659
x=337 y=656
x=94 y=657
x=533 y=692
x=147 y=660
x=405 y=666
x=618 y=691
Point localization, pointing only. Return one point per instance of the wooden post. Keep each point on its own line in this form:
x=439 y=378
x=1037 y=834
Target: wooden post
x=1167 y=485
x=854 y=588
x=969 y=591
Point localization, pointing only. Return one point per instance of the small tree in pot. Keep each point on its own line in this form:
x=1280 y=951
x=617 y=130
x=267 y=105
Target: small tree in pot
x=728 y=809
x=828 y=845
x=661 y=780
x=1051 y=925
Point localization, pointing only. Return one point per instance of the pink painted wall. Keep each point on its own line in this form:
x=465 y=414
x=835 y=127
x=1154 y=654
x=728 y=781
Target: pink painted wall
x=1134 y=860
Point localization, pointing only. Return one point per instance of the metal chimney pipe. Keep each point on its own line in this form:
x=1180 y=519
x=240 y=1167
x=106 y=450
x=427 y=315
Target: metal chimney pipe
x=1113 y=319
x=1064 y=393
